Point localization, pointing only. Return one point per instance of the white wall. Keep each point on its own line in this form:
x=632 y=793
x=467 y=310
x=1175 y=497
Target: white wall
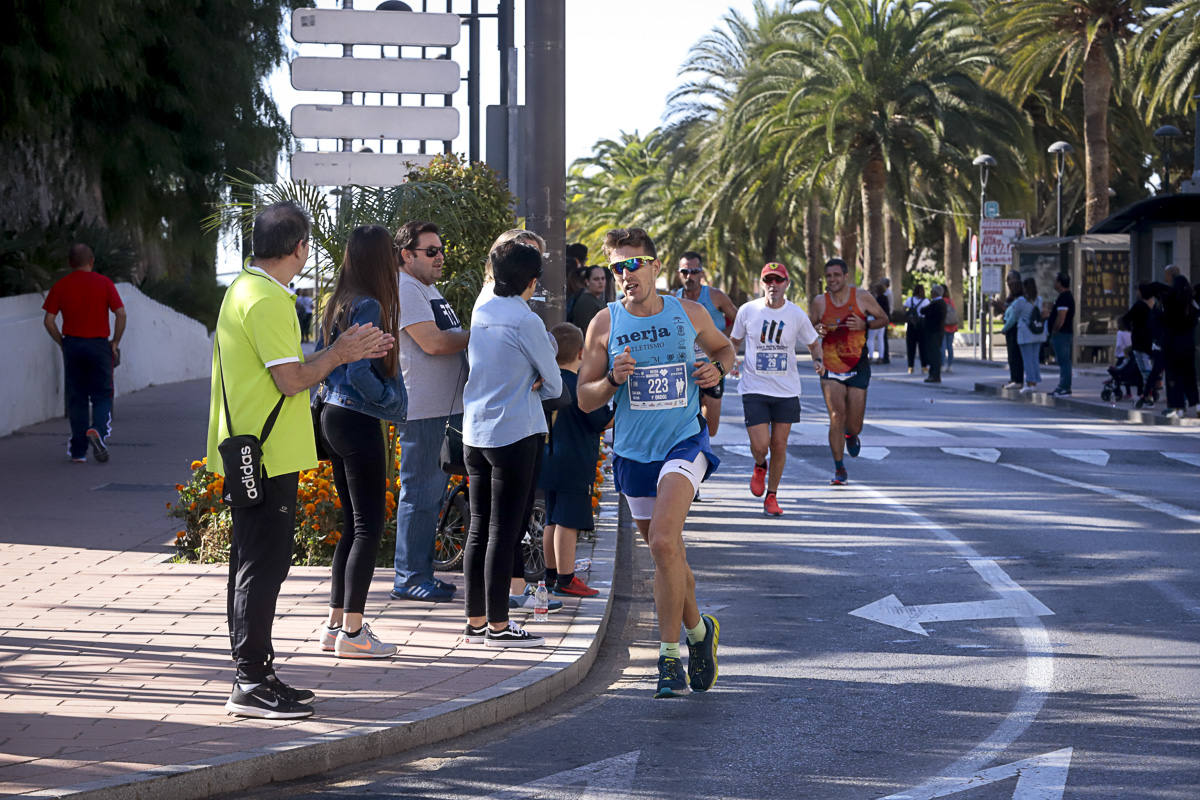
x=160 y=345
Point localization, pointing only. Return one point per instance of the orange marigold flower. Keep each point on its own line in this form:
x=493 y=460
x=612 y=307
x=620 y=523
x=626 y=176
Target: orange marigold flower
x=197 y=464
x=179 y=487
x=337 y=503
x=180 y=534
x=309 y=508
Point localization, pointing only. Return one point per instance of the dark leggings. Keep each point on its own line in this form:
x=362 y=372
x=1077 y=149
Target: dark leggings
x=1179 y=360
x=914 y=343
x=518 y=570
x=1016 y=364
x=500 y=481
x=355 y=443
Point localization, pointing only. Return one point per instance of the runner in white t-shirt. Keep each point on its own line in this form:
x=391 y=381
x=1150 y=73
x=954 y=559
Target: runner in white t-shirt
x=770 y=384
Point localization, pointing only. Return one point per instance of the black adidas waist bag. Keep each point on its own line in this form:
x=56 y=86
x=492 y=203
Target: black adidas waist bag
x=242 y=455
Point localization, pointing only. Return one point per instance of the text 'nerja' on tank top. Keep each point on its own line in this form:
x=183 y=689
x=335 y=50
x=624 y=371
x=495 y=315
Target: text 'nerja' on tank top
x=842 y=348
x=658 y=406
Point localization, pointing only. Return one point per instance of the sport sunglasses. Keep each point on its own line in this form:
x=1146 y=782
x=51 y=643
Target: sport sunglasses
x=774 y=279
x=430 y=252
x=690 y=270
x=631 y=264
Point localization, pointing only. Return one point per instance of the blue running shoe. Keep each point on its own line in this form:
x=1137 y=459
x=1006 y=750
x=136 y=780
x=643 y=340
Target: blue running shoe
x=702 y=656
x=425 y=592
x=853 y=445
x=670 y=678
x=839 y=477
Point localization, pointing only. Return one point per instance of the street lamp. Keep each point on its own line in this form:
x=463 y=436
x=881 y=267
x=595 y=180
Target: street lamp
x=984 y=162
x=1060 y=149
x=1166 y=136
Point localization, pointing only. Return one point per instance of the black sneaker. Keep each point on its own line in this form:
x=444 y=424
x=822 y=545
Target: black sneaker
x=512 y=636
x=702 y=656
x=473 y=635
x=853 y=446
x=263 y=702
x=670 y=678
x=290 y=692
x=99 y=449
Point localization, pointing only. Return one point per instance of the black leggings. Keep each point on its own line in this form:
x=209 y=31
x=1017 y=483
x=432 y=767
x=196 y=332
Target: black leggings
x=355 y=443
x=1179 y=360
x=500 y=481
x=914 y=342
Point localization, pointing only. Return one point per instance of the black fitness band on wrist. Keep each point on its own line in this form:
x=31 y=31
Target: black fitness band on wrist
x=608 y=376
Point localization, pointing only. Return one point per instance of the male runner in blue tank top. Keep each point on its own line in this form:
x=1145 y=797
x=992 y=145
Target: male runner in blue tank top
x=720 y=308
x=640 y=351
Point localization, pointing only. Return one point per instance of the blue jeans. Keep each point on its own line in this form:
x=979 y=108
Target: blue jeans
x=1029 y=356
x=948 y=346
x=88 y=369
x=421 y=485
x=1062 y=344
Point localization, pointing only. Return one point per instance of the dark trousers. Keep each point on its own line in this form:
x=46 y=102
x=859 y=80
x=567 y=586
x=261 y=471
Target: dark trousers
x=1180 y=363
x=88 y=368
x=932 y=355
x=914 y=342
x=519 y=551
x=498 y=490
x=356 y=450
x=259 y=557
x=1016 y=364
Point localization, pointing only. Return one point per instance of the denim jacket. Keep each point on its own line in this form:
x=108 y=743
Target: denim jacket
x=361 y=385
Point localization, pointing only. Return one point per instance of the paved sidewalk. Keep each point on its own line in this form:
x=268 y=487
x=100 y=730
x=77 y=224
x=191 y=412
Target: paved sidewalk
x=115 y=663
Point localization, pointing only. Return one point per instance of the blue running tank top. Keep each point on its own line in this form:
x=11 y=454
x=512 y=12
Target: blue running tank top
x=658 y=407
x=705 y=299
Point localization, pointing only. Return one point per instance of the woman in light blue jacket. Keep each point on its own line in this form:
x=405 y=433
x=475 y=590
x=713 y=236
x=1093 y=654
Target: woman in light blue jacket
x=512 y=369
x=1025 y=310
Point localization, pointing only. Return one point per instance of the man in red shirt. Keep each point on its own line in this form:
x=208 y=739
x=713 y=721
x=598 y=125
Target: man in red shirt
x=84 y=297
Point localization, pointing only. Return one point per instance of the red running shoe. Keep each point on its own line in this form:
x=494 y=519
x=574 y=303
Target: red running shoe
x=771 y=506
x=758 y=481
x=839 y=477
x=576 y=588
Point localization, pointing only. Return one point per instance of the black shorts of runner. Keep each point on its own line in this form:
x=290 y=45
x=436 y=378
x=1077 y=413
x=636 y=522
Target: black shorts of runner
x=759 y=409
x=859 y=377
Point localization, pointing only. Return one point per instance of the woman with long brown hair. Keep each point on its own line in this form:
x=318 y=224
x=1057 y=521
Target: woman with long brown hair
x=356 y=397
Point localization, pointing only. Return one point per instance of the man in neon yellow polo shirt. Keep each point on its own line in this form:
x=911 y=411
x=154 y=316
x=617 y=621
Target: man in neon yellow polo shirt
x=256 y=360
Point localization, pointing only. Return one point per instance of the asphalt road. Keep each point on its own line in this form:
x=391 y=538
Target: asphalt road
x=1035 y=632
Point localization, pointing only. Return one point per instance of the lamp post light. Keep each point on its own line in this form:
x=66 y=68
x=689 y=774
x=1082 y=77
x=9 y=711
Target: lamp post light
x=1059 y=149
x=1166 y=136
x=985 y=163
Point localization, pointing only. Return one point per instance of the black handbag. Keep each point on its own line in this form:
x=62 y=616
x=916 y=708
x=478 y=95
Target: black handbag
x=242 y=455
x=315 y=406
x=450 y=457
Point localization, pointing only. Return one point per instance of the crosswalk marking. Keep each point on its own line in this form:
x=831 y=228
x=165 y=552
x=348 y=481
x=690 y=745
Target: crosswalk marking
x=1187 y=458
x=914 y=431
x=989 y=454
x=1097 y=457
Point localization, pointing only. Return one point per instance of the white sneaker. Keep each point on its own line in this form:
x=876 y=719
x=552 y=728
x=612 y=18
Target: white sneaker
x=365 y=645
x=1011 y=385
x=1028 y=389
x=1174 y=413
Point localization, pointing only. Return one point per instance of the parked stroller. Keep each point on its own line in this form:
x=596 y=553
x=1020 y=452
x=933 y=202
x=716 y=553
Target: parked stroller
x=1125 y=380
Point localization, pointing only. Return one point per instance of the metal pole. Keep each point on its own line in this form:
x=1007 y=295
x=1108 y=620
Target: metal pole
x=473 y=80
x=506 y=41
x=546 y=183
x=1058 y=226
x=983 y=337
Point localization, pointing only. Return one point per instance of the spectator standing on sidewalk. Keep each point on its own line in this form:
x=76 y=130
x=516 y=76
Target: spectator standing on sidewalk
x=430 y=350
x=568 y=470
x=1062 y=332
x=1028 y=313
x=887 y=308
x=356 y=397
x=590 y=299
x=877 y=337
x=933 y=325
x=304 y=308
x=951 y=327
x=1179 y=351
x=512 y=370
x=914 y=340
x=259 y=370
x=84 y=297
x=1144 y=319
x=1016 y=365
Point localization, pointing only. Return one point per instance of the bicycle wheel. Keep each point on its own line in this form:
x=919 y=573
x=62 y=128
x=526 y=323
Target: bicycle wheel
x=453 y=519
x=531 y=544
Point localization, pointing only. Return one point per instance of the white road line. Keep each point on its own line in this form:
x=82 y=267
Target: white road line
x=1149 y=503
x=914 y=431
x=1010 y=432
x=989 y=454
x=1186 y=458
x=1096 y=457
x=1042 y=777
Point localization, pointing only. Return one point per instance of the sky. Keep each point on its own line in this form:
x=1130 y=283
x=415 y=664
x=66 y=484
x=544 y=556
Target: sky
x=622 y=60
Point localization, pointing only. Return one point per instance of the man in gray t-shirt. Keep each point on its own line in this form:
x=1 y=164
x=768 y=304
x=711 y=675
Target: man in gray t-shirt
x=430 y=348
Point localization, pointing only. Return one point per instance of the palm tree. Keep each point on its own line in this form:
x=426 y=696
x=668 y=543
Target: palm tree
x=1168 y=48
x=1078 y=41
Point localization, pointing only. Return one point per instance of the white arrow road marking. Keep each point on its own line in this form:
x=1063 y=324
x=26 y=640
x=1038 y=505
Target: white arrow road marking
x=874 y=453
x=1097 y=457
x=1042 y=777
x=609 y=779
x=989 y=454
x=1014 y=602
x=1187 y=458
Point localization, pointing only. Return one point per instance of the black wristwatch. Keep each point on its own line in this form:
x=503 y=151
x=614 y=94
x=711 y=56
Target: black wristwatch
x=608 y=376
x=720 y=367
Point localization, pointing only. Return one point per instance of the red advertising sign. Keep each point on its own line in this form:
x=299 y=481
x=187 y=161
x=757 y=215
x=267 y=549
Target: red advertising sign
x=996 y=239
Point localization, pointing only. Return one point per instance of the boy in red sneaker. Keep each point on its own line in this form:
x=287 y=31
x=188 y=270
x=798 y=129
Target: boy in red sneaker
x=569 y=471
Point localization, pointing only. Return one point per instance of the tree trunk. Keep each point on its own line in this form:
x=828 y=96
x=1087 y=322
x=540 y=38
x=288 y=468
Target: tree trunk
x=847 y=246
x=872 y=206
x=952 y=262
x=814 y=263
x=896 y=253
x=1097 y=88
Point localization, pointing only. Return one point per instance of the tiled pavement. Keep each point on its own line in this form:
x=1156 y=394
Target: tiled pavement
x=115 y=663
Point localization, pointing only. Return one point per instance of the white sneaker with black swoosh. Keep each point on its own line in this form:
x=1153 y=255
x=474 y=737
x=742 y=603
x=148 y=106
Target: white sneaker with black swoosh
x=264 y=703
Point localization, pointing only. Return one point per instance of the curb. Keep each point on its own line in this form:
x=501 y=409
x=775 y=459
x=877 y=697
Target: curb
x=564 y=669
x=1136 y=415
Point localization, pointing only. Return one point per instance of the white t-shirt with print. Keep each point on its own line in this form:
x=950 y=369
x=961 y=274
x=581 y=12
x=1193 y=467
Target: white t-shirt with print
x=771 y=335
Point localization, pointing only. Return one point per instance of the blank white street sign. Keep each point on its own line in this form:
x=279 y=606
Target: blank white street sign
x=358 y=169
x=374 y=122
x=405 y=75
x=336 y=26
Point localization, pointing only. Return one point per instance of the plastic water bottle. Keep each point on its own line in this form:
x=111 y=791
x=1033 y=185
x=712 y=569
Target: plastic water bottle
x=541 y=603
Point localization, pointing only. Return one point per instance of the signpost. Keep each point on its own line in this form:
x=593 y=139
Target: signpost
x=358 y=169
x=341 y=26
x=416 y=75
x=991 y=209
x=374 y=122
x=996 y=237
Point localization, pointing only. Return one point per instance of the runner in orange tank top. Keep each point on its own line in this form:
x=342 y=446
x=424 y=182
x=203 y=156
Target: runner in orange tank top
x=842 y=317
